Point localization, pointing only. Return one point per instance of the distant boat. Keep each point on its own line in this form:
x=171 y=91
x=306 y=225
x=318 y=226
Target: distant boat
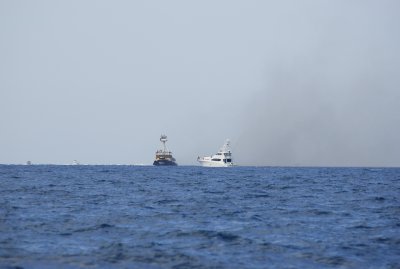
x=28 y=163
x=223 y=158
x=164 y=156
x=75 y=162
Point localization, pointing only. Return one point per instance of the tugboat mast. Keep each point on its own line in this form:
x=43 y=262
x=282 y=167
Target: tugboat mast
x=164 y=139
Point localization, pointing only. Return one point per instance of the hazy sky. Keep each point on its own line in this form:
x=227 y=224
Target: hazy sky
x=289 y=82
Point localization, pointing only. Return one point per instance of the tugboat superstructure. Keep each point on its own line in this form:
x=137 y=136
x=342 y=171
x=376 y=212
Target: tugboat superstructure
x=223 y=158
x=164 y=156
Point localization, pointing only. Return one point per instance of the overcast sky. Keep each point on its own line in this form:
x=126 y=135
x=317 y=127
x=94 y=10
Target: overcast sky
x=289 y=82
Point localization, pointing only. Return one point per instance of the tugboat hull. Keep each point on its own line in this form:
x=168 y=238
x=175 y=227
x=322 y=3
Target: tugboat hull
x=164 y=163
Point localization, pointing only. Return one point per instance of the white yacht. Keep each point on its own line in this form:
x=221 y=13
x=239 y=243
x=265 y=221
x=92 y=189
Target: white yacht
x=223 y=158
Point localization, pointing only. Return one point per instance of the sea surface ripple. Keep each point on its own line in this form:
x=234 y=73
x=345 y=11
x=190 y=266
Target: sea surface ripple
x=193 y=217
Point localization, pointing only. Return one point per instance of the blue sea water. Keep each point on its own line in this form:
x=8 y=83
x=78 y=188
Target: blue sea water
x=195 y=217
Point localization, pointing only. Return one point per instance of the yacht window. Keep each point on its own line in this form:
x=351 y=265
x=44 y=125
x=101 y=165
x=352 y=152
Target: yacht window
x=229 y=160
x=215 y=159
x=224 y=160
x=219 y=154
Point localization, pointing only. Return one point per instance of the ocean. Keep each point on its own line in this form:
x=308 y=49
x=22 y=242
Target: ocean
x=82 y=216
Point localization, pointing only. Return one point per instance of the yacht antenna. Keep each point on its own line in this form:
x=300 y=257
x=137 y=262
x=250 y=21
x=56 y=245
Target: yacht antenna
x=226 y=146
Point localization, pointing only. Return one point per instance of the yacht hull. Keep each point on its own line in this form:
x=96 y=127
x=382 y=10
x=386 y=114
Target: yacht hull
x=214 y=164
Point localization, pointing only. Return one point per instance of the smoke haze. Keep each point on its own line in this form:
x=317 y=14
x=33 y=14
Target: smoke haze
x=332 y=91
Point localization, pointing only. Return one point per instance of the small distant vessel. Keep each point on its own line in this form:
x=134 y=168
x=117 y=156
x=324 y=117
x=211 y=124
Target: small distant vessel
x=28 y=163
x=223 y=158
x=164 y=156
x=75 y=162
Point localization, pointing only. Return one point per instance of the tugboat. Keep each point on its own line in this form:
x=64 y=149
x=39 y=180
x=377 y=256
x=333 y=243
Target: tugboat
x=223 y=158
x=163 y=156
